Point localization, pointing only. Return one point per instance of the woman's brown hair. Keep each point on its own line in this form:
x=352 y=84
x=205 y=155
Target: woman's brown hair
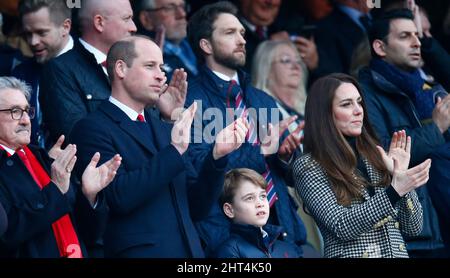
x=328 y=146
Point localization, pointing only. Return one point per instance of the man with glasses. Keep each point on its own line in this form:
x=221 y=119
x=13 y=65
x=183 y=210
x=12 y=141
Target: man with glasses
x=165 y=20
x=36 y=191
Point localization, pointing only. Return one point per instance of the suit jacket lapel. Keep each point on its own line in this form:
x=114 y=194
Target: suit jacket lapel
x=160 y=129
x=128 y=126
x=91 y=59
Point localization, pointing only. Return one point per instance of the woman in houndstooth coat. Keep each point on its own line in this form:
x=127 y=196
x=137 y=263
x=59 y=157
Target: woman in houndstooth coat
x=361 y=197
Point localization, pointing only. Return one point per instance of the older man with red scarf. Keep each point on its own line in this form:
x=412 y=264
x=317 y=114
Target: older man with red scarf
x=41 y=205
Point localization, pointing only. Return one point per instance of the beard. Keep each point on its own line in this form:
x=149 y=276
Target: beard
x=229 y=60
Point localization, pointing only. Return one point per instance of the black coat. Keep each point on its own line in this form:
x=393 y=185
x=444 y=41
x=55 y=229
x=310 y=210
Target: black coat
x=72 y=85
x=156 y=193
x=31 y=211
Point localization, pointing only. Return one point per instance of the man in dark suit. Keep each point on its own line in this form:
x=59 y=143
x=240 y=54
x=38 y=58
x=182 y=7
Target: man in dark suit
x=46 y=25
x=157 y=193
x=339 y=34
x=36 y=192
x=76 y=82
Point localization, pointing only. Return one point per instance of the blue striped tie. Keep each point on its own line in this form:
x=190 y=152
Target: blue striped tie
x=251 y=136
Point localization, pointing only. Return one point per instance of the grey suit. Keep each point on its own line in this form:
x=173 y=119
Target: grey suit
x=367 y=228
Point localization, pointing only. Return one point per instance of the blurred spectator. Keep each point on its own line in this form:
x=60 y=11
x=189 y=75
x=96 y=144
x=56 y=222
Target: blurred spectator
x=399 y=98
x=76 y=82
x=339 y=34
x=46 y=26
x=165 y=20
x=360 y=58
x=279 y=71
x=9 y=7
x=257 y=17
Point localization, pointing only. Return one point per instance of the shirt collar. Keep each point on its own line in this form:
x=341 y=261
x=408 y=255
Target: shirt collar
x=354 y=14
x=100 y=57
x=8 y=150
x=226 y=78
x=127 y=110
x=69 y=46
x=249 y=25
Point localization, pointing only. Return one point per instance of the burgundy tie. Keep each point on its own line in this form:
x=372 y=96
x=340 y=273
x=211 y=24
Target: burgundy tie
x=141 y=118
x=260 y=32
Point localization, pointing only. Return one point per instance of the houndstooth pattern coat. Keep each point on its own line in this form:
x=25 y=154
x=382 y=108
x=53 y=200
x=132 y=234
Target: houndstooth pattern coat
x=367 y=228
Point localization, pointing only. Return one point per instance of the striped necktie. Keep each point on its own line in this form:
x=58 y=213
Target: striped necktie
x=234 y=90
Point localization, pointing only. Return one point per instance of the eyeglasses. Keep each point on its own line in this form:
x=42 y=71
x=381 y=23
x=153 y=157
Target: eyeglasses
x=172 y=8
x=17 y=113
x=286 y=60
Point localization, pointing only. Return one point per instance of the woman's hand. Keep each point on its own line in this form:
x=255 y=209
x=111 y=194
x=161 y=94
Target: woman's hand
x=400 y=149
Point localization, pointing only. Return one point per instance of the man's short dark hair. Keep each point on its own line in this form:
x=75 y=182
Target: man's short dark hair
x=200 y=25
x=58 y=9
x=381 y=26
x=124 y=50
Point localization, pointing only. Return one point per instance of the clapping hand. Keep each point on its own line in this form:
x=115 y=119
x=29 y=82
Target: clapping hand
x=230 y=138
x=94 y=178
x=399 y=149
x=291 y=143
x=181 y=131
x=405 y=181
x=270 y=143
x=56 y=150
x=174 y=94
x=62 y=167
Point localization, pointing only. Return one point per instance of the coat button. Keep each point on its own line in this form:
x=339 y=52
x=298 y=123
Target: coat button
x=410 y=205
x=88 y=96
x=9 y=162
x=39 y=206
x=365 y=255
x=397 y=225
x=401 y=247
x=389 y=218
x=284 y=234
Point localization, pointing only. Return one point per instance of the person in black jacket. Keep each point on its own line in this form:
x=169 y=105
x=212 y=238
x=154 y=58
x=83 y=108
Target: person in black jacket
x=76 y=82
x=40 y=202
x=244 y=201
x=399 y=98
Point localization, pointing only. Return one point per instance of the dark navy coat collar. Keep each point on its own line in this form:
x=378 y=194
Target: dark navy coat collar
x=133 y=130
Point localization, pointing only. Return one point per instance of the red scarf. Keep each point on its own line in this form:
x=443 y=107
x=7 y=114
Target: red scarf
x=66 y=238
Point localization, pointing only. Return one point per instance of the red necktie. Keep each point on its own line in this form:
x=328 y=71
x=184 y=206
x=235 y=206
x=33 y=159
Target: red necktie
x=140 y=118
x=104 y=64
